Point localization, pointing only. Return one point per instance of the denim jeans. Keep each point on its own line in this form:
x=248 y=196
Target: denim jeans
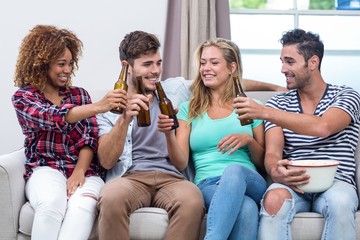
x=232 y=202
x=337 y=205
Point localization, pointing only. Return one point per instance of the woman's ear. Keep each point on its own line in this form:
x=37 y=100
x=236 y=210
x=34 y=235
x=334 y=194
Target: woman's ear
x=233 y=66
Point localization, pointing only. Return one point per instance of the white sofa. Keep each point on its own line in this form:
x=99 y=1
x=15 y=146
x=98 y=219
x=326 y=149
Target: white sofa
x=16 y=215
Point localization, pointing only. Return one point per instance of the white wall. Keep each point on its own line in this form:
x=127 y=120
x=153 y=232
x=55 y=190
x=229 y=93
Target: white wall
x=99 y=24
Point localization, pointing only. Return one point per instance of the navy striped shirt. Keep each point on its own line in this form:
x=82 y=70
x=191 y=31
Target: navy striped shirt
x=340 y=146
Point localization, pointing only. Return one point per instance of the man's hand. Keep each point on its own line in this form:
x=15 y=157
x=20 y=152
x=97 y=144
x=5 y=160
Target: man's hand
x=134 y=104
x=291 y=178
x=249 y=109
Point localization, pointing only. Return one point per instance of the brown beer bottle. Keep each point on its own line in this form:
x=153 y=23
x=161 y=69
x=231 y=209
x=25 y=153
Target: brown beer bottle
x=239 y=92
x=165 y=105
x=121 y=84
x=143 y=118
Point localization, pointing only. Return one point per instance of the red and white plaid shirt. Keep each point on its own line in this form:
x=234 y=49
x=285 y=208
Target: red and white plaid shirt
x=49 y=139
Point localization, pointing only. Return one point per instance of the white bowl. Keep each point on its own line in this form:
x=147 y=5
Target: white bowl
x=322 y=173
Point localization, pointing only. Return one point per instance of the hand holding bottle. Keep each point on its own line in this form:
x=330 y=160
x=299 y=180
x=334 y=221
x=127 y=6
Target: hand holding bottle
x=166 y=106
x=247 y=108
x=113 y=99
x=121 y=83
x=239 y=92
x=166 y=124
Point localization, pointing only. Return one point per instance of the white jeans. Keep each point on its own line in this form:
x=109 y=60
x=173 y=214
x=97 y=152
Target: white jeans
x=57 y=217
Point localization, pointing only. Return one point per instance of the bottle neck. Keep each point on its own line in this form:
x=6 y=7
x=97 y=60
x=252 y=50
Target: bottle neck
x=160 y=91
x=238 y=88
x=123 y=73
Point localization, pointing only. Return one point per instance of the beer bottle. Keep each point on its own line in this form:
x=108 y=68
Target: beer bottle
x=121 y=84
x=143 y=118
x=239 y=92
x=165 y=105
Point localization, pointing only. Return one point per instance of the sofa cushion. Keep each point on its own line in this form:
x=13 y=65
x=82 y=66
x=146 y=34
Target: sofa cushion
x=26 y=219
x=149 y=223
x=309 y=226
x=145 y=223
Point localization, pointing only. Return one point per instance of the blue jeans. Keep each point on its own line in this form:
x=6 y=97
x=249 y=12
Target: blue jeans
x=232 y=202
x=338 y=205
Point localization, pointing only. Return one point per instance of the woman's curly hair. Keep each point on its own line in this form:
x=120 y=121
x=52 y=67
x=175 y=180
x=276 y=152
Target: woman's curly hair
x=41 y=47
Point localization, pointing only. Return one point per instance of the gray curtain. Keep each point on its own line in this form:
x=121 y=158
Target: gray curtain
x=189 y=23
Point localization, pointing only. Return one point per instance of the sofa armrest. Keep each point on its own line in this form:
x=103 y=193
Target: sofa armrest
x=12 y=195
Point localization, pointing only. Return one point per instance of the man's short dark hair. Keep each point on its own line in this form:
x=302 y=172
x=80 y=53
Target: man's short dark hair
x=136 y=44
x=309 y=44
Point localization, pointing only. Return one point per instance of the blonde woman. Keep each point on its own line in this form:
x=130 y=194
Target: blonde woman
x=226 y=155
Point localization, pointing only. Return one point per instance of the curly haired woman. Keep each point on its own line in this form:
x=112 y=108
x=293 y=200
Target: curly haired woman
x=63 y=177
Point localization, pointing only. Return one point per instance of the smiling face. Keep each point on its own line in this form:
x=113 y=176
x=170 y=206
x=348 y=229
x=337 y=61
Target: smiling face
x=60 y=71
x=294 y=67
x=149 y=67
x=213 y=67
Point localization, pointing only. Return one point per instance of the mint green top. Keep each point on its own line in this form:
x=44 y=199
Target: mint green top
x=205 y=135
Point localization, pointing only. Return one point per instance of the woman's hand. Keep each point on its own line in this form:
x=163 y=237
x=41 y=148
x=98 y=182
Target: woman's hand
x=114 y=99
x=165 y=123
x=233 y=142
x=76 y=180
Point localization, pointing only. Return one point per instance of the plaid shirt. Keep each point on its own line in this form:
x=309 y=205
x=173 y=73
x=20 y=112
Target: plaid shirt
x=49 y=139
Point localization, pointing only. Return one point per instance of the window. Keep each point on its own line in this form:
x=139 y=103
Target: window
x=257 y=26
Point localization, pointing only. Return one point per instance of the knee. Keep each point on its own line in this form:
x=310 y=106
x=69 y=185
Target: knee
x=274 y=199
x=233 y=174
x=194 y=203
x=108 y=200
x=54 y=204
x=83 y=202
x=249 y=210
x=340 y=205
x=190 y=206
x=233 y=170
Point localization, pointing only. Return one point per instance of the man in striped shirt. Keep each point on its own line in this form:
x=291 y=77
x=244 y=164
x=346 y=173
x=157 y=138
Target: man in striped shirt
x=314 y=120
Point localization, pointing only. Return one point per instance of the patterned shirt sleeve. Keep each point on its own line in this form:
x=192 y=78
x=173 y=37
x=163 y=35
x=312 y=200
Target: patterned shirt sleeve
x=348 y=100
x=89 y=126
x=35 y=113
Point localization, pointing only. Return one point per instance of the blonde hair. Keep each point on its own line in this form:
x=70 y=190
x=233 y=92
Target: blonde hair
x=201 y=96
x=41 y=47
